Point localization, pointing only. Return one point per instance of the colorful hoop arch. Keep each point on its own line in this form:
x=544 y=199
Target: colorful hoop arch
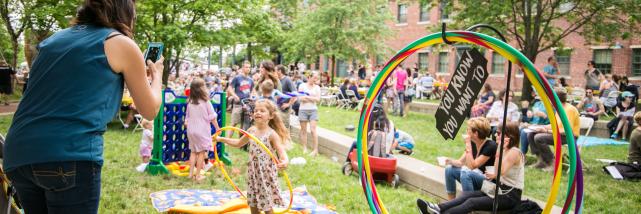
x=548 y=96
x=262 y=145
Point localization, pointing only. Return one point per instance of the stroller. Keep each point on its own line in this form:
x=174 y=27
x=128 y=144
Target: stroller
x=248 y=105
x=9 y=203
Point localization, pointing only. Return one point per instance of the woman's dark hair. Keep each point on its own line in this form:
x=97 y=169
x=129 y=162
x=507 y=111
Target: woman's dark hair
x=591 y=62
x=512 y=132
x=377 y=116
x=563 y=96
x=116 y=14
x=502 y=94
x=195 y=91
x=563 y=82
x=346 y=82
x=409 y=72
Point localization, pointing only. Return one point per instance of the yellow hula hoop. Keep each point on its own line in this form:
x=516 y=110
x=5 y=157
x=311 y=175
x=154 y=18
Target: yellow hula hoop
x=262 y=145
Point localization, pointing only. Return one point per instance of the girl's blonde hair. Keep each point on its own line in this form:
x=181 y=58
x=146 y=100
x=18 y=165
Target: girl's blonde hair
x=276 y=123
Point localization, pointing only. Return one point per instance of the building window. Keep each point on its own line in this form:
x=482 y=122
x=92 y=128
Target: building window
x=444 y=11
x=317 y=63
x=326 y=64
x=498 y=63
x=636 y=62
x=425 y=12
x=341 y=68
x=401 y=16
x=603 y=60
x=423 y=61
x=442 y=62
x=563 y=59
x=459 y=52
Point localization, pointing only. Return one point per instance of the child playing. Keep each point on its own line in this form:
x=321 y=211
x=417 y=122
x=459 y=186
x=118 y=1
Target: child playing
x=376 y=145
x=405 y=142
x=200 y=114
x=146 y=144
x=263 y=190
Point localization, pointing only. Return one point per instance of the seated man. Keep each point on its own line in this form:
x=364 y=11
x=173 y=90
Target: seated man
x=537 y=115
x=543 y=137
x=590 y=106
x=405 y=142
x=634 y=152
x=470 y=167
x=425 y=85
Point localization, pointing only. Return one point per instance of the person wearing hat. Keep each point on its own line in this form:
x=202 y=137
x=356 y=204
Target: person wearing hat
x=6 y=75
x=624 y=111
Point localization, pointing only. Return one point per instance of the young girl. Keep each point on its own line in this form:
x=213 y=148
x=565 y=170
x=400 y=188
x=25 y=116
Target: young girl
x=146 y=144
x=200 y=114
x=262 y=174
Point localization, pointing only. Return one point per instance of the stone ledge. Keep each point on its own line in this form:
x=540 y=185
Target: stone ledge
x=415 y=174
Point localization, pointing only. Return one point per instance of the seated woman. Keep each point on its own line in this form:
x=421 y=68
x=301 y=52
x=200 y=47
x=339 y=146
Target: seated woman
x=591 y=106
x=344 y=87
x=495 y=115
x=484 y=102
x=479 y=153
x=511 y=188
x=378 y=117
x=634 y=152
x=353 y=86
x=624 y=111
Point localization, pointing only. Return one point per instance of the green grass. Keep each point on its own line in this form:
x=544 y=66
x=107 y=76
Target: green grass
x=602 y=194
x=126 y=191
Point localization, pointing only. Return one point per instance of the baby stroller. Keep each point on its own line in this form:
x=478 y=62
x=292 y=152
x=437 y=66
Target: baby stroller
x=383 y=169
x=9 y=203
x=246 y=120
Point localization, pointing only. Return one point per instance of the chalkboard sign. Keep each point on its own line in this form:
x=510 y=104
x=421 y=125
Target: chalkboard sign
x=464 y=87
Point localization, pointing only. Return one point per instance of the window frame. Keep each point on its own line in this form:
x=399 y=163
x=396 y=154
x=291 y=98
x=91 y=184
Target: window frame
x=398 y=13
x=427 y=60
x=495 y=64
x=636 y=53
x=441 y=65
x=603 y=67
x=424 y=12
x=560 y=56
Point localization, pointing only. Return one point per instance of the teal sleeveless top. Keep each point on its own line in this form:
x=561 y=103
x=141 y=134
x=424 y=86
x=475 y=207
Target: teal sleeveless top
x=71 y=96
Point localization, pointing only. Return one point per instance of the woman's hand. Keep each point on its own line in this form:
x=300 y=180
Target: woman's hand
x=490 y=176
x=154 y=70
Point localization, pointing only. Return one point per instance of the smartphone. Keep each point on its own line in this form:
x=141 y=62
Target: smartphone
x=154 y=51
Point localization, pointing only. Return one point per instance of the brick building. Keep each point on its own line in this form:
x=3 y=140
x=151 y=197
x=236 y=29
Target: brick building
x=413 y=21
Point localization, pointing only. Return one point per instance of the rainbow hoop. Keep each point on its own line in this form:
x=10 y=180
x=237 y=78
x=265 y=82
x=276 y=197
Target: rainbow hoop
x=548 y=96
x=262 y=145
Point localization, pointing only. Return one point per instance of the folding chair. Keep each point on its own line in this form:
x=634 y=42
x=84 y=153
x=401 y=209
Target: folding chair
x=352 y=100
x=138 y=119
x=326 y=97
x=341 y=101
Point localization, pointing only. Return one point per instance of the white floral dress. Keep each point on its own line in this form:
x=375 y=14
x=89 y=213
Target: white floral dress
x=263 y=189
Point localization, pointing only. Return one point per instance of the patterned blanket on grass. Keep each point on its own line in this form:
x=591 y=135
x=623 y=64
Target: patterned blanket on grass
x=166 y=199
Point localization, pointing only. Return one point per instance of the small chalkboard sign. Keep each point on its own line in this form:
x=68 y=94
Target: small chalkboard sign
x=461 y=93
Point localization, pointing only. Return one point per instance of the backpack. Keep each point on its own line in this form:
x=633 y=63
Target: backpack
x=629 y=171
x=527 y=207
x=376 y=143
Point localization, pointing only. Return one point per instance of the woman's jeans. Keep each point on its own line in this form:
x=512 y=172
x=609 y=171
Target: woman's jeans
x=479 y=201
x=58 y=187
x=470 y=180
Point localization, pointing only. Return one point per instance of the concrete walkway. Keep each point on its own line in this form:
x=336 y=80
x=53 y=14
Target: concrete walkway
x=415 y=174
x=8 y=110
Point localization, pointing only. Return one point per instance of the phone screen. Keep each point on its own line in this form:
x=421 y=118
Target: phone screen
x=153 y=54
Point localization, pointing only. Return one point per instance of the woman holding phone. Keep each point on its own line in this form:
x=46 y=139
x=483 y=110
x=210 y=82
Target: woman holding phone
x=53 y=151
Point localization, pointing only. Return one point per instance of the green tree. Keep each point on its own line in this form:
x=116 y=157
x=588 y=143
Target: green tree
x=339 y=29
x=181 y=24
x=46 y=17
x=534 y=25
x=14 y=15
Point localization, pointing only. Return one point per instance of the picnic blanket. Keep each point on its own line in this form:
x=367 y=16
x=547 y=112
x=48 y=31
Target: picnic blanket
x=595 y=141
x=166 y=199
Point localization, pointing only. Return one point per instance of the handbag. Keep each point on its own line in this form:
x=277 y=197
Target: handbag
x=489 y=187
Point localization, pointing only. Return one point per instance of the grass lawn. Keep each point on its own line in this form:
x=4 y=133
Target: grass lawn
x=126 y=191
x=600 y=189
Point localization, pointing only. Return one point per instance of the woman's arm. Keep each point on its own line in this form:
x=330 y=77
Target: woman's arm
x=489 y=100
x=513 y=158
x=125 y=57
x=280 y=150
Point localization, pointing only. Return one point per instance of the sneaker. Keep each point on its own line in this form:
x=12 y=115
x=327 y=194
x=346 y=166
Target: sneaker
x=425 y=207
x=614 y=136
x=208 y=166
x=126 y=126
x=141 y=167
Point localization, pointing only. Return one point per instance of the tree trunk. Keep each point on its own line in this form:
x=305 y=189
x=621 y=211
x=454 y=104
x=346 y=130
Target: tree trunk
x=249 y=53
x=14 y=56
x=526 y=90
x=333 y=69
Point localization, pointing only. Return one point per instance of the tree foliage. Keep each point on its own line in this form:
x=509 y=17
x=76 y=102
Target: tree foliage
x=339 y=29
x=538 y=26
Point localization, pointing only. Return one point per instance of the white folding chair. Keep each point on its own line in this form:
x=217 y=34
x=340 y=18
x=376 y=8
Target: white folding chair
x=138 y=119
x=326 y=97
x=352 y=101
x=585 y=123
